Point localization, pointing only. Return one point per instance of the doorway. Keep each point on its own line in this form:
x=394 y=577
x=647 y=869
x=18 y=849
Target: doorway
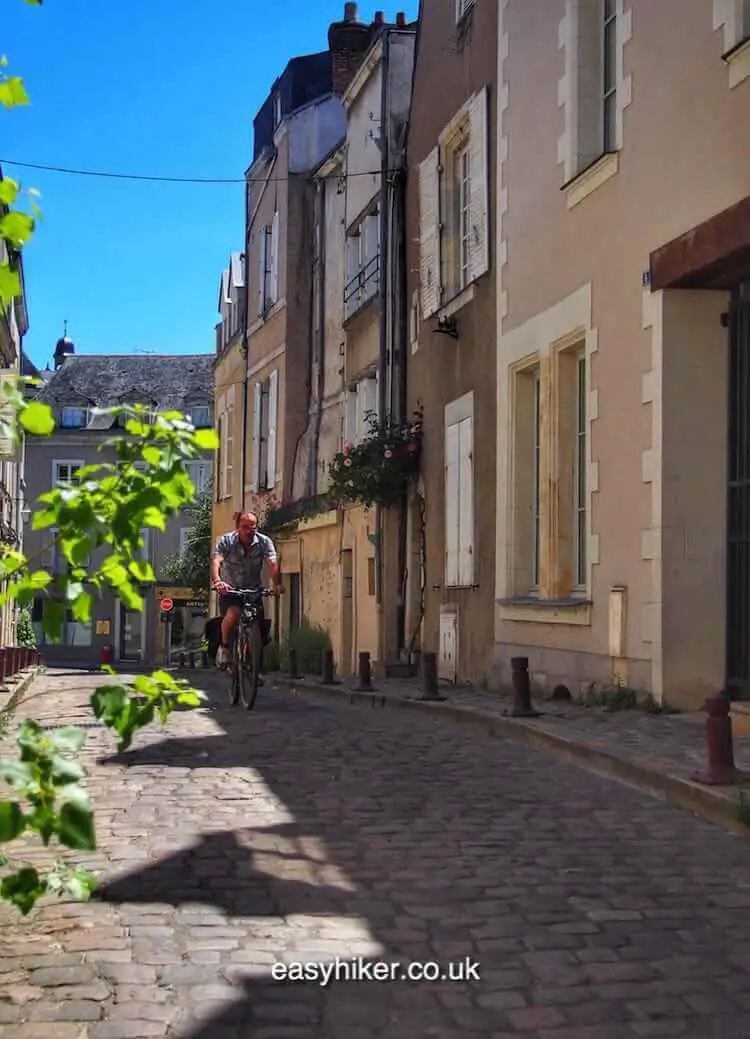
x=347 y=614
x=132 y=634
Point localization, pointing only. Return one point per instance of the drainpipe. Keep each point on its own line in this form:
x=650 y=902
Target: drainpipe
x=319 y=338
x=400 y=295
x=383 y=363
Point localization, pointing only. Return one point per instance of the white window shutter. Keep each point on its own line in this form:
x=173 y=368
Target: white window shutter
x=466 y=502
x=262 y=264
x=255 y=475
x=222 y=454
x=368 y=390
x=479 y=258
x=7 y=446
x=350 y=417
x=273 y=292
x=429 y=233
x=273 y=397
x=228 y=454
x=451 y=504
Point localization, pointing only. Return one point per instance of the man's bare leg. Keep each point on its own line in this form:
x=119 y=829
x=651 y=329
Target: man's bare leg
x=228 y=625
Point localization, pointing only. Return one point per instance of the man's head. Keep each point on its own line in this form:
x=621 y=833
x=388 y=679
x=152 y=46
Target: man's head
x=246 y=524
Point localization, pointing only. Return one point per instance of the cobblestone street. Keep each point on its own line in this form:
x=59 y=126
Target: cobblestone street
x=308 y=830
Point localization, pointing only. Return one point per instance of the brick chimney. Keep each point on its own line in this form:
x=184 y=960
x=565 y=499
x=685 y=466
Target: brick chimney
x=348 y=41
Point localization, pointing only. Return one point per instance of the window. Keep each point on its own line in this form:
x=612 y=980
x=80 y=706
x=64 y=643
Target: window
x=745 y=16
x=65 y=471
x=370 y=575
x=73 y=632
x=200 y=416
x=200 y=474
x=360 y=408
x=579 y=475
x=276 y=110
x=73 y=418
x=362 y=262
x=462 y=8
x=453 y=216
x=268 y=266
x=52 y=557
x=609 y=77
x=265 y=421
x=226 y=444
x=549 y=475
x=459 y=492
x=144 y=553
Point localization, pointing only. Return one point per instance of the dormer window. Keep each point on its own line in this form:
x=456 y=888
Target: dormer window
x=276 y=110
x=200 y=416
x=73 y=418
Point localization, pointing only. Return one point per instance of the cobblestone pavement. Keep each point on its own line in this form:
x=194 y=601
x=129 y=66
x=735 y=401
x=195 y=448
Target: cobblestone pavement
x=306 y=831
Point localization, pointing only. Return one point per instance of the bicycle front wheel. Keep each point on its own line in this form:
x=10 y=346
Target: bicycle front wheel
x=248 y=665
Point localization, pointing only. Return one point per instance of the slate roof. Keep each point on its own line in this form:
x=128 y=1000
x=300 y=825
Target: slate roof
x=160 y=381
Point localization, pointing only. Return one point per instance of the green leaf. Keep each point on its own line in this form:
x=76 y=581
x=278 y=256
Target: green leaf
x=68 y=739
x=152 y=455
x=12 y=820
x=17 y=774
x=13 y=92
x=23 y=889
x=37 y=419
x=64 y=772
x=8 y=191
x=142 y=572
x=75 y=827
x=54 y=615
x=16 y=228
x=81 y=608
x=10 y=284
x=79 y=885
x=206 y=439
x=153 y=517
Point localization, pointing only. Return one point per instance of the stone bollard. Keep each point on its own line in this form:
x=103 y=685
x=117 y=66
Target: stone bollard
x=191 y=658
x=365 y=674
x=522 y=707
x=293 y=672
x=721 y=770
x=328 y=668
x=430 y=682
x=181 y=659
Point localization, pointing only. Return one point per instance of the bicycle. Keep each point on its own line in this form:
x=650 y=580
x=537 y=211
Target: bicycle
x=247 y=647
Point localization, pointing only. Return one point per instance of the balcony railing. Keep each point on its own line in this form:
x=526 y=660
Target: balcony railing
x=362 y=287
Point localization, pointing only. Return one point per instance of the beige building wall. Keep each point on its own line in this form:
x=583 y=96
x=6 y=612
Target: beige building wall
x=574 y=236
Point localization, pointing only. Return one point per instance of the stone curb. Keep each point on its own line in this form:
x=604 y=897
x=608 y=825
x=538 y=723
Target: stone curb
x=7 y=709
x=677 y=790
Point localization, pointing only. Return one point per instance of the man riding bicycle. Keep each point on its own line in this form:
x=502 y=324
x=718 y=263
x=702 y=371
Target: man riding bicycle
x=237 y=562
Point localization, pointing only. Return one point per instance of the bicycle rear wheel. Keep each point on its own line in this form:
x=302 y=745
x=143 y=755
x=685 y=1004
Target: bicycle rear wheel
x=248 y=665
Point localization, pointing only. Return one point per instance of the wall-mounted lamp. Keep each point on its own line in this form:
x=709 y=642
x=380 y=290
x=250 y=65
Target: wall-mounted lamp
x=447 y=326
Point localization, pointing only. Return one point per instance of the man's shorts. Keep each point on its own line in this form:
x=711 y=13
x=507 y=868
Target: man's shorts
x=225 y=601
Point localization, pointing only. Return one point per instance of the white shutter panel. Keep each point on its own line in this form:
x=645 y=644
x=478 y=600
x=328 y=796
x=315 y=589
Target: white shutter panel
x=429 y=233
x=262 y=263
x=229 y=453
x=7 y=445
x=451 y=505
x=368 y=389
x=466 y=502
x=273 y=396
x=221 y=456
x=479 y=260
x=273 y=293
x=255 y=475
x=350 y=417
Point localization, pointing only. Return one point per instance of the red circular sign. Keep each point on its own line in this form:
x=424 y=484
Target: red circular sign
x=166 y=605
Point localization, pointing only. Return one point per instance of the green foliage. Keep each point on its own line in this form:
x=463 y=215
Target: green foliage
x=106 y=508
x=380 y=469
x=310 y=641
x=192 y=568
x=25 y=635
x=612 y=697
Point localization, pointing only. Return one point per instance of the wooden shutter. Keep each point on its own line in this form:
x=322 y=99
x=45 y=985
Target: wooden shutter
x=479 y=260
x=451 y=504
x=429 y=233
x=273 y=292
x=220 y=456
x=273 y=398
x=466 y=501
x=7 y=415
x=262 y=264
x=256 y=445
x=368 y=391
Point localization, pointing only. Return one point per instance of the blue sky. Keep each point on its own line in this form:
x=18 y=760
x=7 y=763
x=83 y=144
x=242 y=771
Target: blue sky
x=149 y=87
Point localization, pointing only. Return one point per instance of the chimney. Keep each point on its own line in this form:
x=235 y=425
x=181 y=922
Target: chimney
x=348 y=41
x=379 y=18
x=401 y=20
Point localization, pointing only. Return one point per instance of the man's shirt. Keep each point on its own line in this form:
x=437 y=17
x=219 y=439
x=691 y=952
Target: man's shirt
x=243 y=568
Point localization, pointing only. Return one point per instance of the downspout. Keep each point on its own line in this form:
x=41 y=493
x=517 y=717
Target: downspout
x=400 y=295
x=319 y=338
x=383 y=346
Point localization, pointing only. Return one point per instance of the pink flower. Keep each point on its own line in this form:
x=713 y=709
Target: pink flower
x=347 y=449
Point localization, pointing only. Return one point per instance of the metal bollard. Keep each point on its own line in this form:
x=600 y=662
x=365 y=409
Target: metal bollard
x=3 y=664
x=328 y=668
x=522 y=707
x=365 y=674
x=430 y=683
x=191 y=658
x=719 y=744
x=181 y=659
x=293 y=672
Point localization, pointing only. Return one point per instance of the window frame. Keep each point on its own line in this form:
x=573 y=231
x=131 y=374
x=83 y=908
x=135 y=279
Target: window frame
x=72 y=463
